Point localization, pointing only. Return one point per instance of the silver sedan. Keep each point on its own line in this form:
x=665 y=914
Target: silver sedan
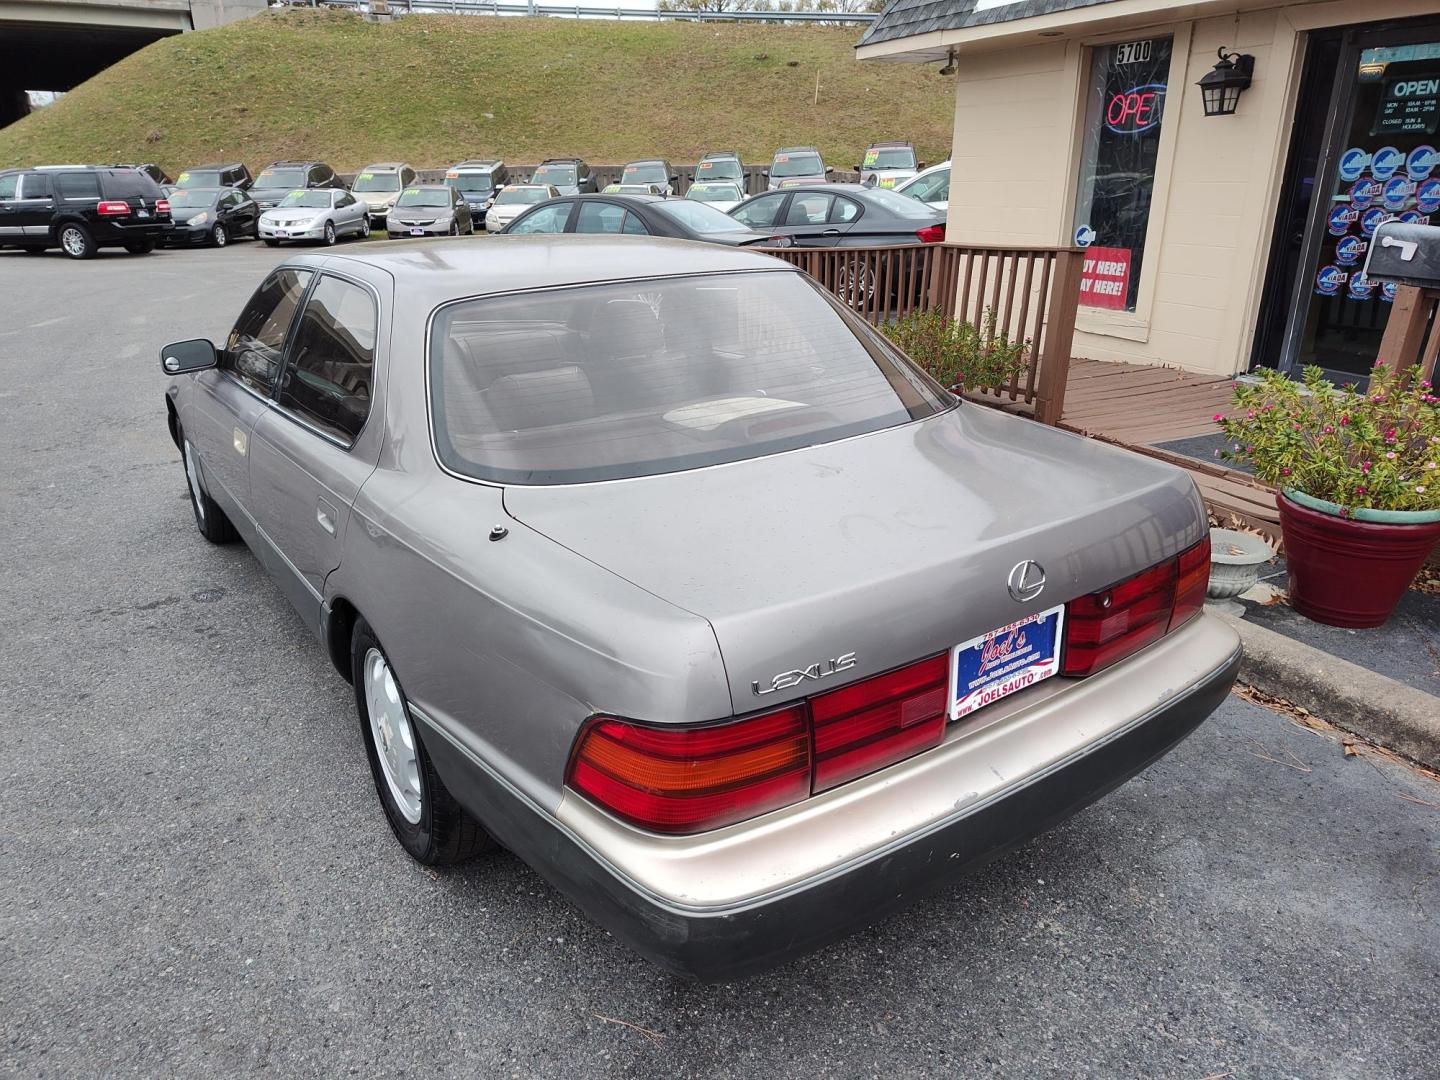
x=320 y=214
x=649 y=561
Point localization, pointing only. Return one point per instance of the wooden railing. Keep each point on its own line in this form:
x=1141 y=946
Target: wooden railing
x=1412 y=334
x=1030 y=293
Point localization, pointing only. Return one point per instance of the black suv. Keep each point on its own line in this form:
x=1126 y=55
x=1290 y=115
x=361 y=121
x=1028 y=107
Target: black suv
x=220 y=174
x=479 y=180
x=279 y=178
x=81 y=209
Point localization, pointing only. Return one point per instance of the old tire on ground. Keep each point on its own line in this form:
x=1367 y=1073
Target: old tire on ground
x=424 y=816
x=209 y=518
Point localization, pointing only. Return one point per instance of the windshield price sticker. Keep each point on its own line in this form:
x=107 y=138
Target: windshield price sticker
x=367 y=176
x=871 y=157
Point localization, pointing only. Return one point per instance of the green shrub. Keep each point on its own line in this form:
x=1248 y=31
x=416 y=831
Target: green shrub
x=1377 y=449
x=959 y=354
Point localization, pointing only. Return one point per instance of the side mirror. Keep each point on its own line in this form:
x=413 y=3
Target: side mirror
x=829 y=169
x=922 y=165
x=183 y=357
x=764 y=172
x=857 y=168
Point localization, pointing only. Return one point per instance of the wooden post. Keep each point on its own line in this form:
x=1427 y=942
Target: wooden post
x=1405 y=329
x=1059 y=336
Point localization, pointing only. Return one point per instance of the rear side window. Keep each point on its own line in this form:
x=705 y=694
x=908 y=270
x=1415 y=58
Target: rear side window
x=9 y=185
x=545 y=219
x=34 y=186
x=598 y=217
x=759 y=213
x=254 y=348
x=636 y=378
x=78 y=185
x=327 y=381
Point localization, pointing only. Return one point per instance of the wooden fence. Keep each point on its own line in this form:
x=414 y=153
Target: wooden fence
x=1030 y=293
x=1412 y=335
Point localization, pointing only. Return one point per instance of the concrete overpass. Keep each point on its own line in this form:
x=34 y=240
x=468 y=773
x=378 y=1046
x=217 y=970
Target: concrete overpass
x=58 y=44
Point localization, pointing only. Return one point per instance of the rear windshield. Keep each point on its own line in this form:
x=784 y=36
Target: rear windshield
x=470 y=182
x=377 y=181
x=306 y=198
x=699 y=217
x=522 y=195
x=639 y=378
x=273 y=178
x=210 y=178
x=646 y=172
x=797 y=165
x=189 y=198
x=719 y=169
x=893 y=157
x=425 y=196
x=556 y=175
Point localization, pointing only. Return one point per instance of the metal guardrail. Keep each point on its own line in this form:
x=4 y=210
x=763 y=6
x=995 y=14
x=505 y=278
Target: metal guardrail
x=585 y=11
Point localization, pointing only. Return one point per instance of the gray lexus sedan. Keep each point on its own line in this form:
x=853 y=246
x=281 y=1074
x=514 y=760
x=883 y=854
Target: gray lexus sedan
x=651 y=562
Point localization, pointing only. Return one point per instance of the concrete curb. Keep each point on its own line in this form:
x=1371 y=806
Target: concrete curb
x=1375 y=707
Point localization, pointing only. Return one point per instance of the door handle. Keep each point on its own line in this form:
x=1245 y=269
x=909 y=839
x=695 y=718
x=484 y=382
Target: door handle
x=831 y=232
x=325 y=516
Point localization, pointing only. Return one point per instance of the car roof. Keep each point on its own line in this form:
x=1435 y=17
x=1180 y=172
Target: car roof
x=720 y=154
x=797 y=150
x=430 y=185
x=891 y=144
x=647 y=161
x=218 y=165
x=477 y=163
x=386 y=166
x=562 y=161
x=434 y=273
x=306 y=162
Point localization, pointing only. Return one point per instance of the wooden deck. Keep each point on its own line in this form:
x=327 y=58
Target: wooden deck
x=1138 y=407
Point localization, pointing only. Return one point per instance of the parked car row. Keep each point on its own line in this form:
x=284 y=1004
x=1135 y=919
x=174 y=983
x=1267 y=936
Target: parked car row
x=78 y=208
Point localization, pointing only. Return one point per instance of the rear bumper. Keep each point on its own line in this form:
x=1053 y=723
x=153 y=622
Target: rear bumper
x=660 y=894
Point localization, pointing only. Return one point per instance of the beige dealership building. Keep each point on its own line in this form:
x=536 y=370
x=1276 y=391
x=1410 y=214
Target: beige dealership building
x=1215 y=242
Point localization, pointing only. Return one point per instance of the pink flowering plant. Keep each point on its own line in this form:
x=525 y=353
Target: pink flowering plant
x=1378 y=448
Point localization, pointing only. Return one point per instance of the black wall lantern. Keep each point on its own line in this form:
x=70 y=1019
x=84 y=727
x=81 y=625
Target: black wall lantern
x=1220 y=88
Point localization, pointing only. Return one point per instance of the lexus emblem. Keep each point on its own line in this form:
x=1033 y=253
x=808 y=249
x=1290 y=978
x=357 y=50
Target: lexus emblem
x=1026 y=581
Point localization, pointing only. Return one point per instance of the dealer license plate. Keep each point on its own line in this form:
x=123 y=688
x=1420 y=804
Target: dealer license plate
x=996 y=665
x=281 y=232
x=417 y=232
x=142 y=213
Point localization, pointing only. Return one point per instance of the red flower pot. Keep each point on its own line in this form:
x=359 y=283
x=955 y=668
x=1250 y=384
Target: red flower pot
x=1350 y=573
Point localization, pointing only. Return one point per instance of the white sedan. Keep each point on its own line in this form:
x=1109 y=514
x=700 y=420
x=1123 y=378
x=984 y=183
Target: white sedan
x=513 y=200
x=932 y=186
x=723 y=195
x=323 y=214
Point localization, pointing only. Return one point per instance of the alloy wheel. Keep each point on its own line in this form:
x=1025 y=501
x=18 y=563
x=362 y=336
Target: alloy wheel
x=393 y=735
x=73 y=241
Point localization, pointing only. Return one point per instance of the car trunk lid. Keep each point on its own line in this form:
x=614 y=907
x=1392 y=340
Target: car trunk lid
x=893 y=546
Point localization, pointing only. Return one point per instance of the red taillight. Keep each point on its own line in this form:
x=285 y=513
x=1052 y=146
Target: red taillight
x=112 y=209
x=931 y=234
x=1191 y=582
x=1106 y=626
x=685 y=780
x=877 y=722
x=162 y=206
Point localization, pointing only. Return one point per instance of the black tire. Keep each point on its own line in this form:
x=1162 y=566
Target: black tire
x=444 y=833
x=209 y=518
x=271 y=243
x=329 y=240
x=219 y=235
x=141 y=247
x=365 y=227
x=75 y=240
x=454 y=228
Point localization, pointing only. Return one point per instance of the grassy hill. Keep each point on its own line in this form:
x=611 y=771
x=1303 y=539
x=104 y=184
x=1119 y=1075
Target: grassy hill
x=434 y=89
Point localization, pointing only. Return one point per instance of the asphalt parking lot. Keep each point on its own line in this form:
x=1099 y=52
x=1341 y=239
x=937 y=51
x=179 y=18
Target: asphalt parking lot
x=198 y=879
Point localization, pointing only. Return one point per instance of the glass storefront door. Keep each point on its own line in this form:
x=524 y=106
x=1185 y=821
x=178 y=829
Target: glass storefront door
x=1379 y=159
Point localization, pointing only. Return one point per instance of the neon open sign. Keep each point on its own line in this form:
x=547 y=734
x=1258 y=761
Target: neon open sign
x=1135 y=110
